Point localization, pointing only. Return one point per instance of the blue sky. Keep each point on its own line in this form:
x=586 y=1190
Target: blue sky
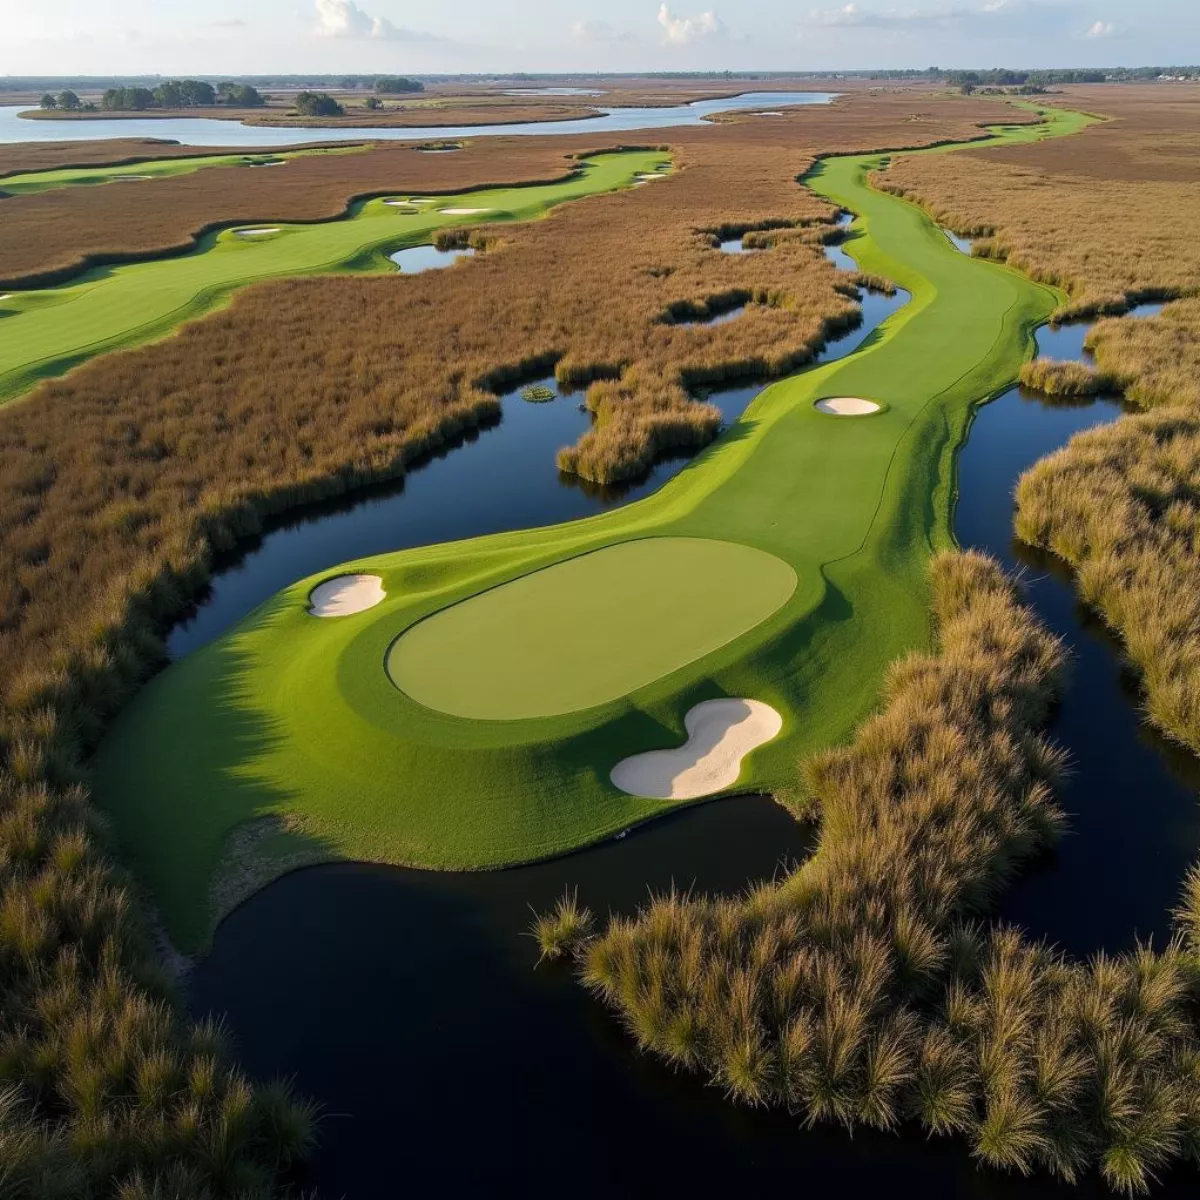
x=246 y=36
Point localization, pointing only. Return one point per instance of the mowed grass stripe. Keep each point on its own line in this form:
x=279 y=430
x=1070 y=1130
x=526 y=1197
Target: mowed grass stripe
x=589 y=630
x=45 y=332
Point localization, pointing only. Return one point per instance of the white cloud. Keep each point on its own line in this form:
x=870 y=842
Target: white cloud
x=682 y=31
x=598 y=31
x=344 y=19
x=1101 y=29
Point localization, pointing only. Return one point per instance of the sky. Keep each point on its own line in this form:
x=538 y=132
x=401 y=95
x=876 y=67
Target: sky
x=177 y=37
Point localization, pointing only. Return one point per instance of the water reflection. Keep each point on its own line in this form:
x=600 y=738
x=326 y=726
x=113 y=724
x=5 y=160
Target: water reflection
x=416 y=259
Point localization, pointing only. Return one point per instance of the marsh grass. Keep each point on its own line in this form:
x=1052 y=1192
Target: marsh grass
x=559 y=931
x=858 y=990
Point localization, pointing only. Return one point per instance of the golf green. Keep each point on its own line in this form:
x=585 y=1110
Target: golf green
x=289 y=731
x=589 y=630
x=47 y=331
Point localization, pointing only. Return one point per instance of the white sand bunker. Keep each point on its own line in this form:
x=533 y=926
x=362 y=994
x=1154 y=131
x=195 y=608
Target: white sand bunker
x=400 y=203
x=720 y=734
x=345 y=595
x=847 y=406
x=462 y=212
x=257 y=232
x=651 y=175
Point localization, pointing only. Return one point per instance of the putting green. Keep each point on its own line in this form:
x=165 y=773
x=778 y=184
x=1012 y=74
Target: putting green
x=293 y=718
x=589 y=630
x=46 y=332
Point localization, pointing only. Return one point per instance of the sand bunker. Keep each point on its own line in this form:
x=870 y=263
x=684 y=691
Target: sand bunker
x=399 y=203
x=462 y=212
x=847 y=406
x=7 y=296
x=257 y=232
x=345 y=595
x=720 y=734
x=651 y=175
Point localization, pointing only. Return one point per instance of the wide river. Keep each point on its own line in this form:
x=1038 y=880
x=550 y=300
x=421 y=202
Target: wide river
x=206 y=131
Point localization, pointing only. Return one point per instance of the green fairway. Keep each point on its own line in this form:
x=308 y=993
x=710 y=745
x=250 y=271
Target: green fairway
x=589 y=630
x=46 y=332
x=290 y=716
x=30 y=182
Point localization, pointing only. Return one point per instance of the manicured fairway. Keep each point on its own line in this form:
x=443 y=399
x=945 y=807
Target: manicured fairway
x=45 y=181
x=287 y=715
x=48 y=331
x=589 y=630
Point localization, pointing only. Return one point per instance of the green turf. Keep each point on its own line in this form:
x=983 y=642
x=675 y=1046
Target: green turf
x=286 y=714
x=46 y=332
x=589 y=630
x=29 y=182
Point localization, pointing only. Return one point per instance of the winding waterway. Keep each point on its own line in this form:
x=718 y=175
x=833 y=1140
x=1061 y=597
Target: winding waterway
x=207 y=131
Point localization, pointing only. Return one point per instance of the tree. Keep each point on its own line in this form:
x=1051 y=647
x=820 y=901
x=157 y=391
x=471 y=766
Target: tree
x=239 y=95
x=317 y=104
x=48 y=101
x=133 y=99
x=197 y=94
x=372 y=102
x=395 y=84
x=68 y=100
x=184 y=93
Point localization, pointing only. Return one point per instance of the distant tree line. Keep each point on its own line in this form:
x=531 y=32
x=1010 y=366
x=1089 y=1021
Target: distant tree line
x=390 y=85
x=181 y=93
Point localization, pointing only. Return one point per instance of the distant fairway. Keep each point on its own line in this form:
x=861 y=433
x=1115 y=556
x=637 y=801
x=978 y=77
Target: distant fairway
x=47 y=331
x=29 y=182
x=589 y=630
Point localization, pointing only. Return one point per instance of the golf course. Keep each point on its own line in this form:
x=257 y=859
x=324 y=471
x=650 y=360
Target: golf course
x=45 y=332
x=470 y=712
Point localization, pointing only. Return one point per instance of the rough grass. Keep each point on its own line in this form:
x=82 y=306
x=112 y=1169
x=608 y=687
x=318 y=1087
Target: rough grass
x=856 y=990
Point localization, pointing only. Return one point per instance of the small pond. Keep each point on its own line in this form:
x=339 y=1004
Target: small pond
x=416 y=259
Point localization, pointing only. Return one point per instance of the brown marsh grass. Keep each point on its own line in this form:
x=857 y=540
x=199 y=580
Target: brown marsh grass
x=858 y=989
x=1111 y=214
x=118 y=484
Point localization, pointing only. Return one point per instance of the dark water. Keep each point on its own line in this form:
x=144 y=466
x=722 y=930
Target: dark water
x=416 y=259
x=1132 y=796
x=409 y=1005
x=205 y=131
x=959 y=243
x=499 y=478
x=721 y=318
